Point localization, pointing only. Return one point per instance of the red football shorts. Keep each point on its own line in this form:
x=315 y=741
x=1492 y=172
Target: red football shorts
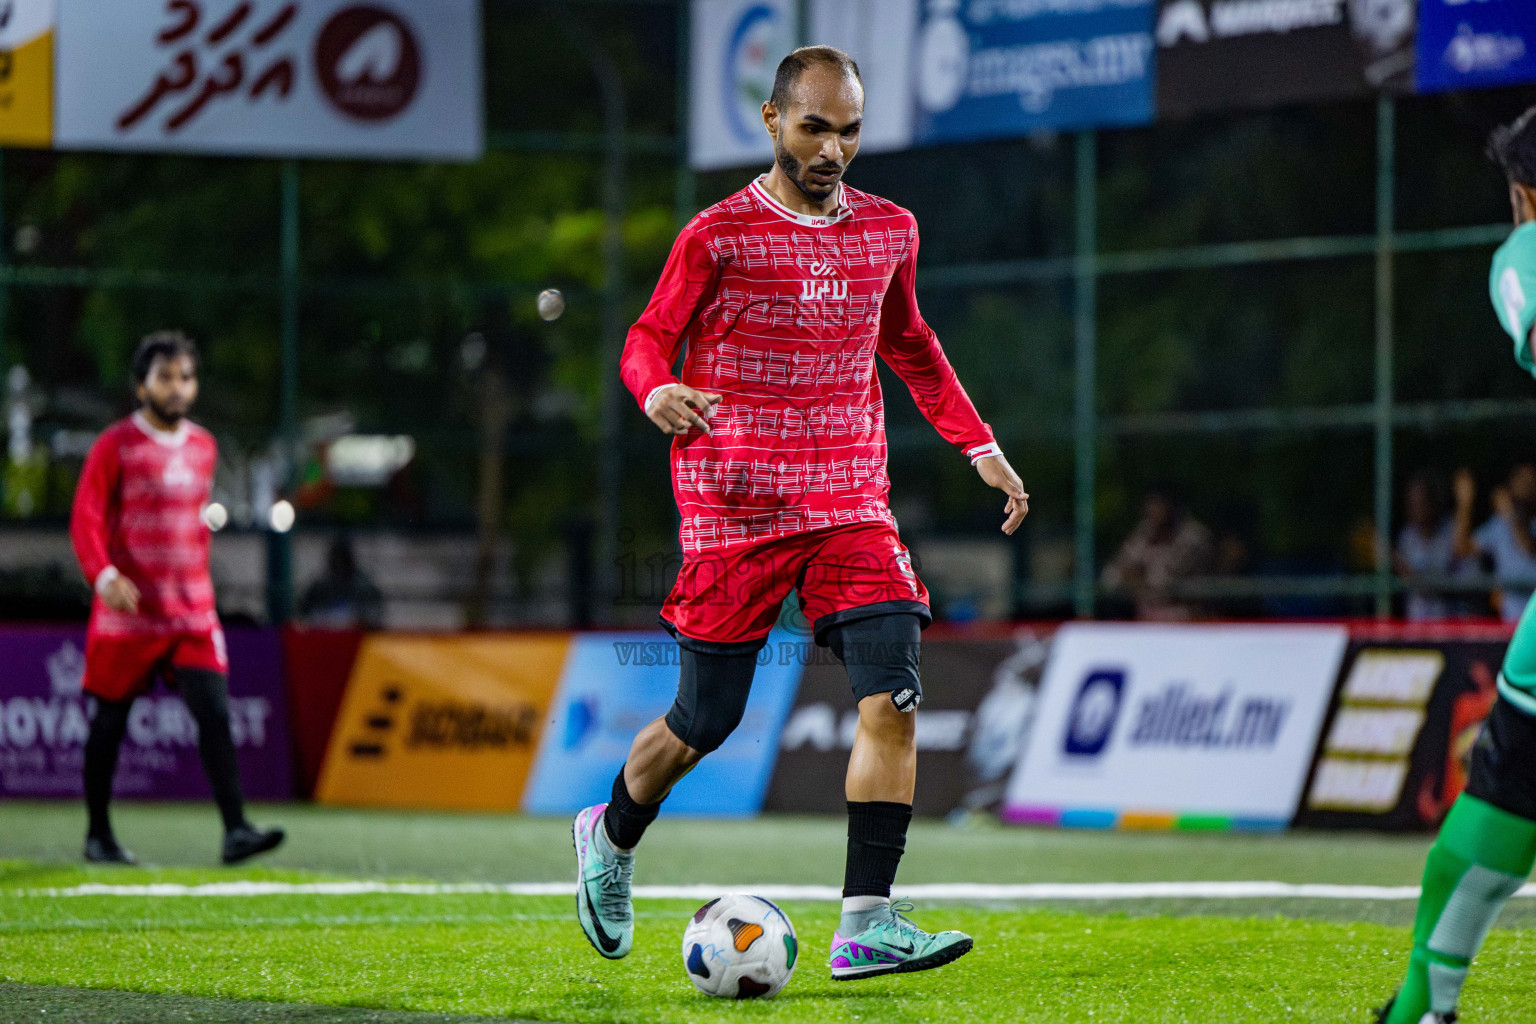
x=120 y=667
x=733 y=595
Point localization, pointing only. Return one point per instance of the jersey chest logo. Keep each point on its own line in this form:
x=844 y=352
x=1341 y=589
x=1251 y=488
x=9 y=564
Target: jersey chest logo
x=177 y=473
x=823 y=284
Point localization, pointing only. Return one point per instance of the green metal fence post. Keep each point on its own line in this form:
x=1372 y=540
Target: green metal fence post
x=1386 y=181
x=1085 y=361
x=280 y=545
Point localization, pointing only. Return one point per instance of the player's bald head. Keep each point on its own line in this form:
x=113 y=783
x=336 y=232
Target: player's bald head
x=825 y=64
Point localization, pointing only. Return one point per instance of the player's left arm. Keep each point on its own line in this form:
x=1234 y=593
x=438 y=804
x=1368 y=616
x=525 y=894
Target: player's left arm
x=909 y=346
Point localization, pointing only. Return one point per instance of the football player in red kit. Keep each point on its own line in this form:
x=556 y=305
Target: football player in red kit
x=139 y=534
x=782 y=296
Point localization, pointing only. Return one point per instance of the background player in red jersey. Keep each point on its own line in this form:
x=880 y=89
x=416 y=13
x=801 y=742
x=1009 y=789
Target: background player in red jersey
x=783 y=295
x=138 y=531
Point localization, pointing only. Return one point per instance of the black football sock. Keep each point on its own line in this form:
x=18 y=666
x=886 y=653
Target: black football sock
x=877 y=837
x=108 y=726
x=206 y=695
x=625 y=821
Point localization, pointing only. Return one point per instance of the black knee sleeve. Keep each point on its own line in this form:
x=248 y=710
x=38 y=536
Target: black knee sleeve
x=882 y=654
x=1503 y=771
x=712 y=691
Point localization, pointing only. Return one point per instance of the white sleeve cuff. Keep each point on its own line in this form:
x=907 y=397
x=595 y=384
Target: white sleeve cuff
x=983 y=451
x=650 y=399
x=105 y=577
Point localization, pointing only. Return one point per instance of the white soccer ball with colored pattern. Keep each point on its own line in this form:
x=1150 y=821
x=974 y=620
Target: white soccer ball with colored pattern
x=740 y=947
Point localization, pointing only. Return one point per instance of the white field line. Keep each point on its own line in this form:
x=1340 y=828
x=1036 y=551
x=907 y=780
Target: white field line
x=961 y=891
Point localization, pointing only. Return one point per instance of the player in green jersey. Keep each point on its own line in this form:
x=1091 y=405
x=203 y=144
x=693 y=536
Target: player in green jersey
x=1488 y=842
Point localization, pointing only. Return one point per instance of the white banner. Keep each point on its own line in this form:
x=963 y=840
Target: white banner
x=737 y=46
x=879 y=35
x=1145 y=725
x=271 y=77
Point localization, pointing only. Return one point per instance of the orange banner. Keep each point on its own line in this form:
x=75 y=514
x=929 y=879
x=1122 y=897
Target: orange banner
x=442 y=722
x=26 y=76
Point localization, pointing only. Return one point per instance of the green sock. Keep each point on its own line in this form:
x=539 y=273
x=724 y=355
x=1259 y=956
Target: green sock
x=1481 y=857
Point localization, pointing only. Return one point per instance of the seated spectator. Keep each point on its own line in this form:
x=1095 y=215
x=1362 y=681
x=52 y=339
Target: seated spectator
x=1426 y=546
x=1505 y=541
x=1166 y=547
x=342 y=597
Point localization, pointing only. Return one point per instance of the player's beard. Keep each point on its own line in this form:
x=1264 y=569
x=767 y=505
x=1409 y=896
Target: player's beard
x=171 y=416
x=793 y=169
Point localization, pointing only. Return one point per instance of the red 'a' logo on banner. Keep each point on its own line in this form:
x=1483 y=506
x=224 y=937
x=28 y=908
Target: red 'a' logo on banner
x=368 y=62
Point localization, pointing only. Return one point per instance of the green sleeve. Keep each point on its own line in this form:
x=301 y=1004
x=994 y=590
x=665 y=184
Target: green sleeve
x=1513 y=288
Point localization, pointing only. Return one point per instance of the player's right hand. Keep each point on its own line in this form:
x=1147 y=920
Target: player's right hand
x=680 y=409
x=121 y=595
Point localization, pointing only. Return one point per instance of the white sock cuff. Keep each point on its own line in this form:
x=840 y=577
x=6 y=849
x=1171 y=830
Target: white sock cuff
x=859 y=904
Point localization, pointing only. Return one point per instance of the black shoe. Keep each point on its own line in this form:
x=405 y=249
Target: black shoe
x=106 y=851
x=247 y=841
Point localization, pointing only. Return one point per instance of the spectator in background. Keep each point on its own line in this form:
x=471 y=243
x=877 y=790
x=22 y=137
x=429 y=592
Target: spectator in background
x=1167 y=546
x=1427 y=547
x=342 y=597
x=1505 y=541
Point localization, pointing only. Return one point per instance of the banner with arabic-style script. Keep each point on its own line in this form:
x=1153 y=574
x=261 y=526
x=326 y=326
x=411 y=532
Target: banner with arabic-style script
x=271 y=77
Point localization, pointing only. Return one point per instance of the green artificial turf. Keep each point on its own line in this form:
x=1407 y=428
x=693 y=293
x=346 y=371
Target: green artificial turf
x=512 y=848
x=520 y=957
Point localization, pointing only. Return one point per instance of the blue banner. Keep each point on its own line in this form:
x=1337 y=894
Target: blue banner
x=1467 y=44
x=615 y=684
x=998 y=68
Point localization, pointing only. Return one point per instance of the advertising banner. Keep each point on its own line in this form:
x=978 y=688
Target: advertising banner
x=442 y=721
x=736 y=46
x=615 y=684
x=1397 y=744
x=1465 y=44
x=44 y=719
x=1223 y=54
x=989 y=69
x=319 y=663
x=978 y=701
x=344 y=78
x=1165 y=726
x=26 y=73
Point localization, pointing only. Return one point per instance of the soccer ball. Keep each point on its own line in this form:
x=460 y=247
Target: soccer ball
x=551 y=304
x=740 y=947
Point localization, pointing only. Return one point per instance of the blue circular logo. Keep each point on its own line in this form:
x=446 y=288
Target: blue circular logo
x=1092 y=717
x=760 y=40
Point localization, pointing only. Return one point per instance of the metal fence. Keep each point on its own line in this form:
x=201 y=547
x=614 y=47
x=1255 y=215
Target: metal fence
x=1084 y=270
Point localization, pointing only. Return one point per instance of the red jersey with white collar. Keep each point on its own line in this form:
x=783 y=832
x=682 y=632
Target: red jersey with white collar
x=783 y=314
x=138 y=510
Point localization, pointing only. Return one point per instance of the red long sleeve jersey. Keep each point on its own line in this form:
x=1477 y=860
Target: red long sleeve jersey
x=138 y=508
x=783 y=314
